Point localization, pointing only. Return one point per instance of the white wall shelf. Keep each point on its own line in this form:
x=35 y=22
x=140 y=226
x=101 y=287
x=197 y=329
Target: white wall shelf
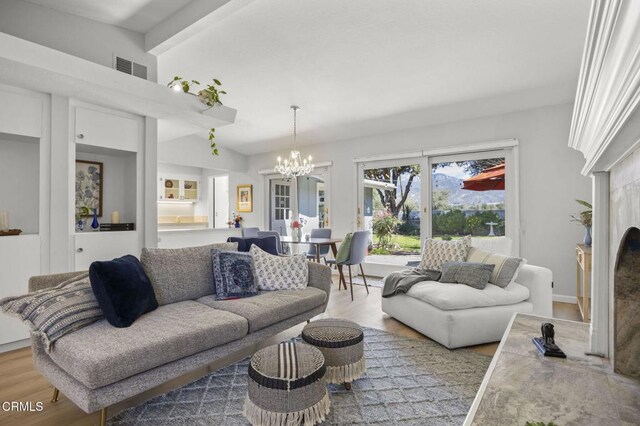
x=36 y=67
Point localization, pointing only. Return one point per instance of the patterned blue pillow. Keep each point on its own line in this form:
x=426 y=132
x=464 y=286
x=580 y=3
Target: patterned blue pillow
x=232 y=274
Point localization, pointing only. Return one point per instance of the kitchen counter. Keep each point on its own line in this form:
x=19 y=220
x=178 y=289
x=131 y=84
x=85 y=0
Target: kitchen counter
x=188 y=229
x=191 y=237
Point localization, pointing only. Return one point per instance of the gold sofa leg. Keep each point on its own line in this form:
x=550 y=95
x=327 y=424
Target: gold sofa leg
x=103 y=417
x=56 y=393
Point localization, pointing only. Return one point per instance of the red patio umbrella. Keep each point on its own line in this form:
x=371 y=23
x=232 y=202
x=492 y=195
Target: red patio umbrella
x=487 y=180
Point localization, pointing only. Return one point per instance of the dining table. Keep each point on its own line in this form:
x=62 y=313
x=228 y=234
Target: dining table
x=317 y=242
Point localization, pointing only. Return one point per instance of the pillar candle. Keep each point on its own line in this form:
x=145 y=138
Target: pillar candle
x=4 y=220
x=115 y=217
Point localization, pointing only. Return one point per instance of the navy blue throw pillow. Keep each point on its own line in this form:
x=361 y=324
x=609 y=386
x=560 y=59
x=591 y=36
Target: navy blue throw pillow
x=122 y=289
x=233 y=274
x=268 y=244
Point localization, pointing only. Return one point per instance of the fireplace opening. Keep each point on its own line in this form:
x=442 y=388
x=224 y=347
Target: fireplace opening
x=627 y=305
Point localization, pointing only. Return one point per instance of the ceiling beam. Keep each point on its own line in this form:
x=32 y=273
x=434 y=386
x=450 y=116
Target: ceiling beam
x=188 y=21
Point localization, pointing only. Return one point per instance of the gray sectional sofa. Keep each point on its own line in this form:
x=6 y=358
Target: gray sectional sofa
x=100 y=365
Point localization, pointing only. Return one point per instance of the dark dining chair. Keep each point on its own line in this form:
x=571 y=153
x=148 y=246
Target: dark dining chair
x=262 y=234
x=324 y=249
x=250 y=232
x=357 y=253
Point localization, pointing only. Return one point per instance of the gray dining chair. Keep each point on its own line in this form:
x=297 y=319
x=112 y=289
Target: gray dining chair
x=262 y=234
x=357 y=253
x=250 y=232
x=324 y=250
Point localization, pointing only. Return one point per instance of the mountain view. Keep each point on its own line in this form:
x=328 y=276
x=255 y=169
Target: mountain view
x=453 y=185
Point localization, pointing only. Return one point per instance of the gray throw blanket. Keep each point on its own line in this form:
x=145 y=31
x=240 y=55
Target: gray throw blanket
x=402 y=281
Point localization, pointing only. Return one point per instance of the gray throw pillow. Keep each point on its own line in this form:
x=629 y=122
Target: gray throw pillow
x=54 y=312
x=474 y=275
x=506 y=267
x=181 y=274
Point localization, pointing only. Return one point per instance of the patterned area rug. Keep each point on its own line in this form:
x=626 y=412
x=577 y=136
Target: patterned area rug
x=408 y=382
x=371 y=281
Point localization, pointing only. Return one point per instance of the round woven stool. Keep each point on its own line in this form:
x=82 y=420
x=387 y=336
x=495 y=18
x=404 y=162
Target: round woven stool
x=287 y=386
x=342 y=344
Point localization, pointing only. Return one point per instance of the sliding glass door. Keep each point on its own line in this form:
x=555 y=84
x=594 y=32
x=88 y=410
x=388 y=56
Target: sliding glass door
x=390 y=203
x=403 y=201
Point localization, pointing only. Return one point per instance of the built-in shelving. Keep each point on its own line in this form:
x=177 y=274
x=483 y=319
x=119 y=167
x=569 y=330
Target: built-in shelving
x=30 y=65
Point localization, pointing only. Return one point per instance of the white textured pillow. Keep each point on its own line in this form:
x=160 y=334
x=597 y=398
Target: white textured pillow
x=279 y=272
x=437 y=252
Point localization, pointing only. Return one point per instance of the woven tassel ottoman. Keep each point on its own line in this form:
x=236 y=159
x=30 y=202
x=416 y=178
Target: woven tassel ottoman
x=287 y=386
x=342 y=344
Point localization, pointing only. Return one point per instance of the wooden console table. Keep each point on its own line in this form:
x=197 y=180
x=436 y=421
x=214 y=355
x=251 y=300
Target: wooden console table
x=583 y=280
x=521 y=385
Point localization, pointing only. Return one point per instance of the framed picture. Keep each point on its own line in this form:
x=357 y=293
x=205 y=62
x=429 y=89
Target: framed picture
x=89 y=178
x=245 y=198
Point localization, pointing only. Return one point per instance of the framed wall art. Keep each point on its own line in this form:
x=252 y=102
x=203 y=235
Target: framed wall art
x=89 y=178
x=245 y=198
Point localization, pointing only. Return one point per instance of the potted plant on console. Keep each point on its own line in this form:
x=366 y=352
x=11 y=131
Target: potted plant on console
x=584 y=218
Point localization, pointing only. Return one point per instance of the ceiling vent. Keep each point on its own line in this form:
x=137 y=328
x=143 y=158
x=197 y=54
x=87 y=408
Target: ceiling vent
x=129 y=67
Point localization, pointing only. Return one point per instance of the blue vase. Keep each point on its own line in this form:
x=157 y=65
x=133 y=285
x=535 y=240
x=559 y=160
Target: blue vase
x=237 y=224
x=95 y=225
x=587 y=236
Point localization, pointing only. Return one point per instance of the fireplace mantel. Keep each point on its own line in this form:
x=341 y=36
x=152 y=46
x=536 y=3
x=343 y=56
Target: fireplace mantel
x=605 y=127
x=606 y=118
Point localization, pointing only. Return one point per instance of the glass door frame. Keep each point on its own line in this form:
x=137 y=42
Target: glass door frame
x=380 y=164
x=509 y=148
x=321 y=171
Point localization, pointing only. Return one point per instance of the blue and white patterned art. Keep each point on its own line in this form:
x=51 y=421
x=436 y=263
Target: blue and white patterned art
x=89 y=186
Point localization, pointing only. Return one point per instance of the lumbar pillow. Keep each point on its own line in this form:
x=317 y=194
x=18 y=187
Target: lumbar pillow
x=505 y=270
x=279 y=272
x=233 y=274
x=474 y=275
x=122 y=289
x=437 y=252
x=181 y=274
x=268 y=244
x=56 y=311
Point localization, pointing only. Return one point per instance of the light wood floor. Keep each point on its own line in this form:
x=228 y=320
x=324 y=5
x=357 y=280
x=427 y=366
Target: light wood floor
x=19 y=381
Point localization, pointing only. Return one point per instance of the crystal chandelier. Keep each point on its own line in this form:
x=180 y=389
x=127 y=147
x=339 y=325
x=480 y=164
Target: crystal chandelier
x=294 y=165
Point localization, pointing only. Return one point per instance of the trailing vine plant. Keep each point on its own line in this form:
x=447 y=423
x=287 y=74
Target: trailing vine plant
x=209 y=96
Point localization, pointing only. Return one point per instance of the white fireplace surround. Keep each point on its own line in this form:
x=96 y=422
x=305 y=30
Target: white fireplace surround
x=606 y=128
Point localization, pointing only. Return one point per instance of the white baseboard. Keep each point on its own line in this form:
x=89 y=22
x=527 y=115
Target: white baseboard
x=6 y=347
x=565 y=299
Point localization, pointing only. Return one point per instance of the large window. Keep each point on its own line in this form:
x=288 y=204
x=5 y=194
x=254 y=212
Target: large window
x=468 y=198
x=403 y=201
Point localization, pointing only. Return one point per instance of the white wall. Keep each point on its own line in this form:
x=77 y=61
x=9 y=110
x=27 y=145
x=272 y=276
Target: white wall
x=81 y=37
x=550 y=178
x=19 y=182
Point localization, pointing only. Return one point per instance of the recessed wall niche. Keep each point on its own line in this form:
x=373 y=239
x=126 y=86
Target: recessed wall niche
x=20 y=181
x=119 y=184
